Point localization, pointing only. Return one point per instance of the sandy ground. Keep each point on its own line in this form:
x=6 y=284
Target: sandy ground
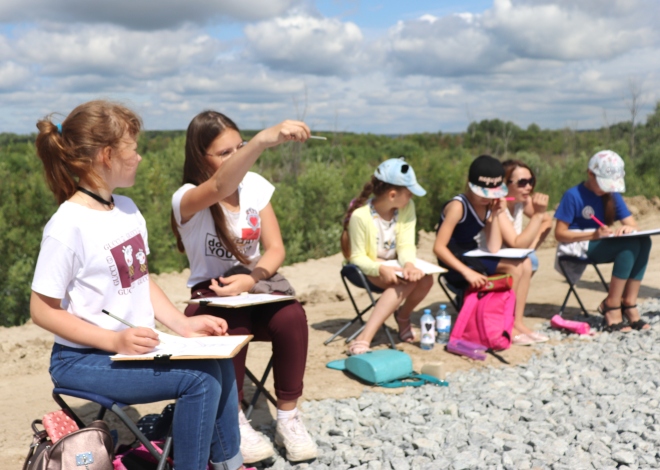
x=25 y=385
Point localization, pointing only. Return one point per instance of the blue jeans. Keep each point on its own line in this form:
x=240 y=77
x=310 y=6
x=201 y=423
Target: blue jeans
x=206 y=413
x=535 y=261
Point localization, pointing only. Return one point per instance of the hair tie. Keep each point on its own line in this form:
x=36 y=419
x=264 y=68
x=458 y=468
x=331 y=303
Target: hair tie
x=59 y=128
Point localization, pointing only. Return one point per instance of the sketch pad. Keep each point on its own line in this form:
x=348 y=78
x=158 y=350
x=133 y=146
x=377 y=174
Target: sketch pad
x=178 y=348
x=237 y=301
x=424 y=266
x=513 y=253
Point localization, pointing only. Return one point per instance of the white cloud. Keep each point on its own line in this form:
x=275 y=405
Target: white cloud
x=111 y=51
x=141 y=15
x=305 y=44
x=13 y=76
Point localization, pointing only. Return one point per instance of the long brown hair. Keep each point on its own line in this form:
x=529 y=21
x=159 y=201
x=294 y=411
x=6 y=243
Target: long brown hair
x=511 y=165
x=373 y=186
x=68 y=155
x=202 y=131
x=609 y=207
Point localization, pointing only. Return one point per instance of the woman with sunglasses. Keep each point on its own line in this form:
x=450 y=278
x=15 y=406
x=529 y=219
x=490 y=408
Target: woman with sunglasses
x=522 y=201
x=224 y=221
x=584 y=215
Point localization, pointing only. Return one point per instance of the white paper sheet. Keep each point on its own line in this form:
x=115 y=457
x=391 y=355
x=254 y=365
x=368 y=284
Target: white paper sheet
x=243 y=300
x=514 y=253
x=180 y=348
x=424 y=266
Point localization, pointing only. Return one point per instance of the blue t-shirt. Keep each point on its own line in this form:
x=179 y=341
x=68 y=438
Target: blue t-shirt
x=579 y=203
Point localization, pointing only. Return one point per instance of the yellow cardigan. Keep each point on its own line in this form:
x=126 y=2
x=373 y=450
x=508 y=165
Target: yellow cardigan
x=362 y=234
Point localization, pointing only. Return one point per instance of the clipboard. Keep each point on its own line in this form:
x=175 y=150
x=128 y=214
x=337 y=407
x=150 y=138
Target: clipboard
x=174 y=348
x=513 y=253
x=424 y=266
x=243 y=300
x=641 y=233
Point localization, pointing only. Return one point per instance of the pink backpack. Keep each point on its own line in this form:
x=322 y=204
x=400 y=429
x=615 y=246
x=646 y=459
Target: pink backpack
x=486 y=318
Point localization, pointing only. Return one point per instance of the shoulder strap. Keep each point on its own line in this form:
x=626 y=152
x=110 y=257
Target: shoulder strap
x=414 y=380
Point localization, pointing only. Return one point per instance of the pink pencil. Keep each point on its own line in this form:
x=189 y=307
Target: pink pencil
x=595 y=219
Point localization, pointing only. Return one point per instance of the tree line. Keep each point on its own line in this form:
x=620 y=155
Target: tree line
x=315 y=182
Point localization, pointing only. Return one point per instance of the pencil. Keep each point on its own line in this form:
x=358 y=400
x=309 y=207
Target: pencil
x=318 y=137
x=595 y=219
x=130 y=325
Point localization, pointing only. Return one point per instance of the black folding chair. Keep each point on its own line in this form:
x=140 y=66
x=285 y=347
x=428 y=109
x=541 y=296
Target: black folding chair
x=346 y=271
x=117 y=408
x=563 y=261
x=260 y=384
x=454 y=294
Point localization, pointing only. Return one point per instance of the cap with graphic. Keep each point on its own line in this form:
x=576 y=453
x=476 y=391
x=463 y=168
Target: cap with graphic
x=486 y=177
x=608 y=168
x=399 y=173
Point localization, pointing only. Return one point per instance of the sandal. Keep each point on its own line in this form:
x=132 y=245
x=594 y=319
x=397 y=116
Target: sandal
x=358 y=346
x=611 y=328
x=406 y=333
x=635 y=325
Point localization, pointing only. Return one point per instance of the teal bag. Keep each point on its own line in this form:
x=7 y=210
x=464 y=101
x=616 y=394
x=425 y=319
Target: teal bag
x=386 y=368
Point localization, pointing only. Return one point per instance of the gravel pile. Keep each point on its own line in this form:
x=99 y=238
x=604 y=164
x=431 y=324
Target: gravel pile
x=588 y=403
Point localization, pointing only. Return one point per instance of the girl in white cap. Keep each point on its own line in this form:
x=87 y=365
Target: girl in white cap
x=584 y=216
x=381 y=228
x=462 y=218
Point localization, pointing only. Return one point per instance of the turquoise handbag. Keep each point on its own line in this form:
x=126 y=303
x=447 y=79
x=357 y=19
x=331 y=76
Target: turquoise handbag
x=386 y=368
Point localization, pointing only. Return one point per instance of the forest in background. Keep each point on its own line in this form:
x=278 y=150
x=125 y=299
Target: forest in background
x=315 y=181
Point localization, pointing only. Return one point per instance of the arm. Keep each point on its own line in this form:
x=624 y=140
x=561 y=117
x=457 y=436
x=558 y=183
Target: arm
x=564 y=235
x=48 y=314
x=628 y=225
x=357 y=233
x=492 y=228
x=405 y=245
x=453 y=214
x=268 y=264
x=227 y=178
x=540 y=221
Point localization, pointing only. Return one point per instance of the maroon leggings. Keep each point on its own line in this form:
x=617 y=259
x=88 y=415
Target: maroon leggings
x=282 y=323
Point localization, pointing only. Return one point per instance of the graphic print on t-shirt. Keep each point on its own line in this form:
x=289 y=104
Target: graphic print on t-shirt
x=254 y=224
x=587 y=212
x=213 y=247
x=131 y=260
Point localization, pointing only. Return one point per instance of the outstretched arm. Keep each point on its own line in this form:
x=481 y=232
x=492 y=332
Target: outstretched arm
x=227 y=178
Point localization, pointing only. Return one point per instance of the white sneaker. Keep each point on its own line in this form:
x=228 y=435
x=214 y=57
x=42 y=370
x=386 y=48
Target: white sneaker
x=254 y=446
x=296 y=440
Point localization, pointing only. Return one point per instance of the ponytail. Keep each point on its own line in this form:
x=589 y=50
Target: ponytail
x=609 y=207
x=69 y=151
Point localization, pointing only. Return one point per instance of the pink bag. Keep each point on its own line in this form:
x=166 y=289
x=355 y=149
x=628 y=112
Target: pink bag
x=486 y=318
x=579 y=327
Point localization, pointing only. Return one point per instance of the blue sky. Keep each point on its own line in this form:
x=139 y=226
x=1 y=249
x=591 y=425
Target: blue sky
x=342 y=65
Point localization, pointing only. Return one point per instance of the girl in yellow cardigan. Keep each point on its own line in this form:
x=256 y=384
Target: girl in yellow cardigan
x=379 y=229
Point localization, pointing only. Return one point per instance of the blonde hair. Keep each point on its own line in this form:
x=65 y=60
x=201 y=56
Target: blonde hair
x=68 y=152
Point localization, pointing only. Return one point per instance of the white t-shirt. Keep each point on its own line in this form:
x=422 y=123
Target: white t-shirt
x=207 y=257
x=95 y=260
x=385 y=234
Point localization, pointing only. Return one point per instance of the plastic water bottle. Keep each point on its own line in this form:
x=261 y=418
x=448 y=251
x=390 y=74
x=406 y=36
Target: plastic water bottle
x=442 y=325
x=427 y=323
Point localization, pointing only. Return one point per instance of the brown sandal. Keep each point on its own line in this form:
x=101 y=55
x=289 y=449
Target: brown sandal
x=406 y=334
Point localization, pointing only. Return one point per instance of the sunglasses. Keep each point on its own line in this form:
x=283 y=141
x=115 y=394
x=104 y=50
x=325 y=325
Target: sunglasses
x=521 y=183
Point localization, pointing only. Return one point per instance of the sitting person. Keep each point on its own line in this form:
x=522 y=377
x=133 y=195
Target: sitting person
x=584 y=215
x=85 y=265
x=221 y=216
x=522 y=200
x=379 y=229
x=479 y=208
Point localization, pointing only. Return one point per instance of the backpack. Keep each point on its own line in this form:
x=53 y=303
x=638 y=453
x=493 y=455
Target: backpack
x=486 y=318
x=388 y=368
x=90 y=448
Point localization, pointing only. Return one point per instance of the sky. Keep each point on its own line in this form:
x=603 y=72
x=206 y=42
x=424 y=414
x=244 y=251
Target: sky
x=386 y=67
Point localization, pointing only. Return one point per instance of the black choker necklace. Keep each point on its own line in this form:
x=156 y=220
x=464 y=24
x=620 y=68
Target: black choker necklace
x=110 y=203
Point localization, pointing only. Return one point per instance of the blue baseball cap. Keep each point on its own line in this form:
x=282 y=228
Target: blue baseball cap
x=399 y=173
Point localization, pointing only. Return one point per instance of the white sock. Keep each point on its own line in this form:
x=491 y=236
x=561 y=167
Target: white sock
x=286 y=415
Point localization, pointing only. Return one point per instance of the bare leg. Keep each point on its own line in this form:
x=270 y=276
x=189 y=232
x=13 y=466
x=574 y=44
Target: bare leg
x=630 y=294
x=613 y=299
x=521 y=271
x=422 y=288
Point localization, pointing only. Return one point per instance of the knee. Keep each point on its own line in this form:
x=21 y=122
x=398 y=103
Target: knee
x=527 y=268
x=425 y=283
